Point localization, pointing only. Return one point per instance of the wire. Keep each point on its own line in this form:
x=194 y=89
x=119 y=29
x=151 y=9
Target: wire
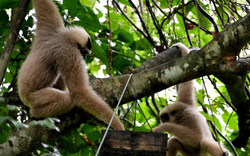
x=113 y=116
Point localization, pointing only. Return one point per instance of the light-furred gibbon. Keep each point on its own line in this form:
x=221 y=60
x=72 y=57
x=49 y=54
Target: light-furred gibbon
x=192 y=135
x=53 y=78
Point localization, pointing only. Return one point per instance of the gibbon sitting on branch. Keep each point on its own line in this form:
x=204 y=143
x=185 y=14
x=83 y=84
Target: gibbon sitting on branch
x=53 y=78
x=192 y=135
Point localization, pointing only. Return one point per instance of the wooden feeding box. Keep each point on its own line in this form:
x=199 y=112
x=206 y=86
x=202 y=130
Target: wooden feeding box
x=127 y=143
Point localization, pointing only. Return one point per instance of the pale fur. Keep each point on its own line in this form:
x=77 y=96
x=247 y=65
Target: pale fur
x=53 y=78
x=192 y=136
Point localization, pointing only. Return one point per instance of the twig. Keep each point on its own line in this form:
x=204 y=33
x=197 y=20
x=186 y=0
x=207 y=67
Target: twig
x=156 y=23
x=130 y=21
x=202 y=28
x=216 y=88
x=210 y=18
x=155 y=104
x=217 y=12
x=110 y=40
x=184 y=21
x=12 y=37
x=159 y=8
x=145 y=117
x=149 y=37
x=231 y=145
x=152 y=110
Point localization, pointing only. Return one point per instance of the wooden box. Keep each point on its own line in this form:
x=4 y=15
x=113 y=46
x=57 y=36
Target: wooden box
x=127 y=143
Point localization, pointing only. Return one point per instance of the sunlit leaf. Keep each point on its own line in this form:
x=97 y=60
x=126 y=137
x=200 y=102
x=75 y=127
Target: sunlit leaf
x=88 y=3
x=94 y=135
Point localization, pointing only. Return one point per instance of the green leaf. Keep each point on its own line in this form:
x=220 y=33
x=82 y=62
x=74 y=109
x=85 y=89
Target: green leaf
x=48 y=122
x=164 y=4
x=94 y=135
x=88 y=3
x=18 y=124
x=100 y=53
x=232 y=121
x=5 y=4
x=87 y=128
x=8 y=77
x=4 y=17
x=124 y=36
x=3 y=119
x=141 y=129
x=5 y=129
x=13 y=107
x=69 y=146
x=72 y=6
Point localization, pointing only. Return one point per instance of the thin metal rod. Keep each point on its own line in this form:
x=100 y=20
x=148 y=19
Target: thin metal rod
x=113 y=115
x=145 y=117
x=135 y=115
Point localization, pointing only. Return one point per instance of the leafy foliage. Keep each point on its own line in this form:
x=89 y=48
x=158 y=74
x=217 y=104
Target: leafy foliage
x=130 y=48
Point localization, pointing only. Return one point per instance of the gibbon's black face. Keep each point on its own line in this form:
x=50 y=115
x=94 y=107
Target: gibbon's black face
x=85 y=50
x=165 y=117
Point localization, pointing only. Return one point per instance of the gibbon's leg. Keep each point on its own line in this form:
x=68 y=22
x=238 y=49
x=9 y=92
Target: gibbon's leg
x=186 y=93
x=208 y=145
x=174 y=146
x=49 y=102
x=77 y=81
x=187 y=135
x=184 y=49
x=186 y=89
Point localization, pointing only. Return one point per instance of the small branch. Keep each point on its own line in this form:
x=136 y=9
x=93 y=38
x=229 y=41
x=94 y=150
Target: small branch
x=217 y=12
x=157 y=26
x=152 y=110
x=110 y=40
x=130 y=21
x=215 y=87
x=155 y=104
x=230 y=144
x=184 y=21
x=202 y=28
x=149 y=37
x=12 y=37
x=210 y=18
x=159 y=8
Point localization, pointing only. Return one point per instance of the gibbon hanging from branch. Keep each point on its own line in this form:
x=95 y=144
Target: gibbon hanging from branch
x=192 y=136
x=53 y=78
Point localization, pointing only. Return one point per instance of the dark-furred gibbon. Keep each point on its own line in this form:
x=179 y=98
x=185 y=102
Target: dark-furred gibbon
x=53 y=78
x=192 y=135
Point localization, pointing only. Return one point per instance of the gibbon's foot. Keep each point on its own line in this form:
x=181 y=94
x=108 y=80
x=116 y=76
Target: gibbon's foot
x=179 y=44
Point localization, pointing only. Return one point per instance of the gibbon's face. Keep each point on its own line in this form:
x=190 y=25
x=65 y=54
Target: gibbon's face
x=85 y=50
x=172 y=113
x=79 y=36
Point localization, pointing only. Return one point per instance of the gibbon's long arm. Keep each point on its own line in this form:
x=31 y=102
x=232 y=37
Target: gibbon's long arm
x=180 y=132
x=48 y=16
x=186 y=89
x=53 y=78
